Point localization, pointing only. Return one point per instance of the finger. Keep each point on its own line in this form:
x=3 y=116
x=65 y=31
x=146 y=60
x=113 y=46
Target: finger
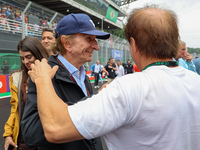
x=6 y=146
x=37 y=62
x=54 y=70
x=10 y=143
x=32 y=66
x=44 y=60
x=30 y=72
x=99 y=89
x=13 y=144
x=102 y=87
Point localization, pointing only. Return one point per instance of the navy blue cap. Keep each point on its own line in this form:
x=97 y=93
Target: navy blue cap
x=78 y=23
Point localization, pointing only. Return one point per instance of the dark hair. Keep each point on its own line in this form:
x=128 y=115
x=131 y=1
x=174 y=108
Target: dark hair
x=155 y=31
x=49 y=30
x=110 y=58
x=33 y=45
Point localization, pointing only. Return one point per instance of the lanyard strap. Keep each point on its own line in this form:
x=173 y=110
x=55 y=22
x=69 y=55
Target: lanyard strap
x=166 y=63
x=72 y=76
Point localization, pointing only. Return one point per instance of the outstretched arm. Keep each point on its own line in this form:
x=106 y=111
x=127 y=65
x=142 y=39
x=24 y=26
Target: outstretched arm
x=57 y=124
x=105 y=71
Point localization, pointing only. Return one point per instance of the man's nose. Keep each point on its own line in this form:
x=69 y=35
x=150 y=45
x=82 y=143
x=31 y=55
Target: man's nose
x=45 y=40
x=95 y=45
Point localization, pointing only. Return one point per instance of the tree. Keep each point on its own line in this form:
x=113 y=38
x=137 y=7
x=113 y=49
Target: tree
x=117 y=32
x=193 y=50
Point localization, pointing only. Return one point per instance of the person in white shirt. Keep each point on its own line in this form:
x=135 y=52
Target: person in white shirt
x=120 y=69
x=100 y=75
x=155 y=109
x=96 y=69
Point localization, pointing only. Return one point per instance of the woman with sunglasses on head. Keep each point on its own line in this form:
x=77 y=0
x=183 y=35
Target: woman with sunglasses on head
x=30 y=49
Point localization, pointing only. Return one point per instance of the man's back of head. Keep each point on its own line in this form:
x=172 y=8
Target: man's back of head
x=155 y=32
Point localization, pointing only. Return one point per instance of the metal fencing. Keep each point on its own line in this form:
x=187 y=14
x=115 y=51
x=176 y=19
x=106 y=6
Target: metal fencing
x=13 y=61
x=113 y=47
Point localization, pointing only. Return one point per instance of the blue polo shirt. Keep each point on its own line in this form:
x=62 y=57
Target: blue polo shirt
x=197 y=64
x=186 y=65
x=75 y=73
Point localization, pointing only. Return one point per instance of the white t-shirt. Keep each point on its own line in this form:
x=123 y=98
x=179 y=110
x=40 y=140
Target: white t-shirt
x=97 y=68
x=120 y=71
x=157 y=109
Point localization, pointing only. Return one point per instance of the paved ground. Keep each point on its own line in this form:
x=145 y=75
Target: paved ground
x=4 y=114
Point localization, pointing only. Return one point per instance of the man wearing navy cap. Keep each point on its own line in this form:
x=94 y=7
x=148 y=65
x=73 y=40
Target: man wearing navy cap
x=75 y=43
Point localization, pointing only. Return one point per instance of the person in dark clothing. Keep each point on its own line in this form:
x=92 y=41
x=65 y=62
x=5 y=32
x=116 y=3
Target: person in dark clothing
x=75 y=43
x=5 y=67
x=30 y=49
x=111 y=68
x=128 y=67
x=197 y=64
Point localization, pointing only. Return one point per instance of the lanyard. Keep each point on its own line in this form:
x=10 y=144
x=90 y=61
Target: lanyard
x=72 y=76
x=166 y=63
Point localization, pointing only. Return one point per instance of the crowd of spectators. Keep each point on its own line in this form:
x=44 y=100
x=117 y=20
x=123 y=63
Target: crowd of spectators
x=14 y=12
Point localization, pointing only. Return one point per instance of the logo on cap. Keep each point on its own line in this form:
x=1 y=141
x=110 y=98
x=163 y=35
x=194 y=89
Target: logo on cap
x=92 y=23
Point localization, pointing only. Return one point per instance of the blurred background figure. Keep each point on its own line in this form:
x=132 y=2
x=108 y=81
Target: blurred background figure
x=101 y=74
x=128 y=67
x=120 y=69
x=30 y=49
x=184 y=58
x=111 y=68
x=5 y=67
x=96 y=69
x=47 y=39
x=197 y=64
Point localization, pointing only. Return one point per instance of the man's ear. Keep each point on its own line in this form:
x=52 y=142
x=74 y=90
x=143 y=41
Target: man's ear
x=66 y=44
x=133 y=45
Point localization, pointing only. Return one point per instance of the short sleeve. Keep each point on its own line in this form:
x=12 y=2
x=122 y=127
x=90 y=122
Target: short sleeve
x=102 y=113
x=106 y=67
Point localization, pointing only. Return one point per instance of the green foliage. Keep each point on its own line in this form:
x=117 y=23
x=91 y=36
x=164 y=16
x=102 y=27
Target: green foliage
x=193 y=50
x=117 y=32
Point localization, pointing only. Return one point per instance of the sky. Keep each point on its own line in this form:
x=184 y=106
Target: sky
x=188 y=13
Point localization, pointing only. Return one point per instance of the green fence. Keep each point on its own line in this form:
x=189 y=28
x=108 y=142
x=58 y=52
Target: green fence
x=12 y=59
